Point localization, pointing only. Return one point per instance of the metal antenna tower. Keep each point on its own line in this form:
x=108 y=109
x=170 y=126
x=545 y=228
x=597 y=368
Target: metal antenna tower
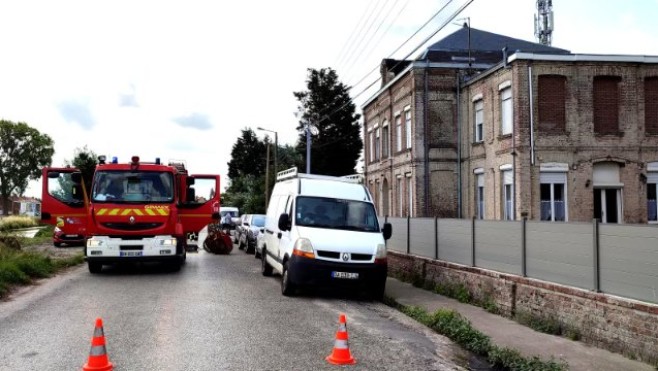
x=544 y=21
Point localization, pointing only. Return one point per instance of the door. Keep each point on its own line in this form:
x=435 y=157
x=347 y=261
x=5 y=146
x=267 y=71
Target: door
x=63 y=199
x=607 y=204
x=201 y=201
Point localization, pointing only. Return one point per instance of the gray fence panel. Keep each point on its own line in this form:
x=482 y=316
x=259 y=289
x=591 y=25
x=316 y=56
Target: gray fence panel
x=421 y=233
x=561 y=253
x=628 y=260
x=455 y=240
x=498 y=246
x=398 y=240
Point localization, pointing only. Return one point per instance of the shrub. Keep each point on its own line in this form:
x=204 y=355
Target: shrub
x=17 y=222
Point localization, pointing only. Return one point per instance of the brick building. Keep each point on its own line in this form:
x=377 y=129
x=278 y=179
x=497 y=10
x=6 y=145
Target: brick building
x=512 y=129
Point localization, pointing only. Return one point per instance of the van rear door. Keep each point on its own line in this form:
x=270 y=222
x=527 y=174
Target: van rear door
x=63 y=198
x=201 y=201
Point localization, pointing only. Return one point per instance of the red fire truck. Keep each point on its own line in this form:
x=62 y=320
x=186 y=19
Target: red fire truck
x=135 y=211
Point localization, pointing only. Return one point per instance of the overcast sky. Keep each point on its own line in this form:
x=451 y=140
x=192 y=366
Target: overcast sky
x=180 y=79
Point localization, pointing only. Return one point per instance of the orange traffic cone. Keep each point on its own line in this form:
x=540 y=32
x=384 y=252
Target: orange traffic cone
x=341 y=354
x=98 y=360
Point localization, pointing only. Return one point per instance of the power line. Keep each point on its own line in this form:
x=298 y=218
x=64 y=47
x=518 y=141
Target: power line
x=348 y=52
x=353 y=33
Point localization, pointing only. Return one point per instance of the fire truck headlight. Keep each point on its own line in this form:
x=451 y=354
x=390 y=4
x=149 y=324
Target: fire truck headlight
x=94 y=243
x=168 y=242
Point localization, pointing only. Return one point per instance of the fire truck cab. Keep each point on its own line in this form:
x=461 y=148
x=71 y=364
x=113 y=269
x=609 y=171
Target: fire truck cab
x=134 y=211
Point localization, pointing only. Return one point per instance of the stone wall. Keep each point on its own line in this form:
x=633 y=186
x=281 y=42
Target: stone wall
x=620 y=325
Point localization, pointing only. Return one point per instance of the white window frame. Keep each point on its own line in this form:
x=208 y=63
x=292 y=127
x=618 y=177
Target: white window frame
x=372 y=146
x=479 y=193
x=398 y=132
x=478 y=108
x=407 y=126
x=507 y=181
x=386 y=141
x=377 y=144
x=506 y=111
x=552 y=178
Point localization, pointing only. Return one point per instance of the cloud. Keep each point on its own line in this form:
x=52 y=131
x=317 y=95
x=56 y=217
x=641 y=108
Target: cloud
x=128 y=98
x=195 y=120
x=77 y=112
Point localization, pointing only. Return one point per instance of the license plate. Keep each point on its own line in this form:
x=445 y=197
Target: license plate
x=345 y=275
x=131 y=253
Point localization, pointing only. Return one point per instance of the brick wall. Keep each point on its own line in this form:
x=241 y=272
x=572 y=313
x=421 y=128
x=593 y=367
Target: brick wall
x=624 y=326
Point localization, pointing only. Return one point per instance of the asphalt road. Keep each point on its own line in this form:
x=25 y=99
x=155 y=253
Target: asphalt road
x=217 y=313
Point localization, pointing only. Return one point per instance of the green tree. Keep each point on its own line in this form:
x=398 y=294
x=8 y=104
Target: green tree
x=247 y=155
x=336 y=138
x=85 y=160
x=23 y=152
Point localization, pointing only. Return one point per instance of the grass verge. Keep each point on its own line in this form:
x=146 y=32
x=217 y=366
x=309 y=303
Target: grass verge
x=21 y=268
x=452 y=325
x=17 y=222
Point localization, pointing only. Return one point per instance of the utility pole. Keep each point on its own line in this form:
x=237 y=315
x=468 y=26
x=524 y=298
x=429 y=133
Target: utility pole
x=267 y=177
x=308 y=149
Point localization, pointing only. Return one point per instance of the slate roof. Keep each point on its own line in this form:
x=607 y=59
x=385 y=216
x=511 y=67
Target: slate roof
x=486 y=47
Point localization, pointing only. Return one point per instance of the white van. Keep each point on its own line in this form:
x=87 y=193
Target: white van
x=323 y=230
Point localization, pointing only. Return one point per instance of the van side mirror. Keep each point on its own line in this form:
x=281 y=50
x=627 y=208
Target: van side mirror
x=284 y=222
x=387 y=231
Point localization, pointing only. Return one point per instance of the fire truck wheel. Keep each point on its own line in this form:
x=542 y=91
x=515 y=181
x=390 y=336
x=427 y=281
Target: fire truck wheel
x=94 y=267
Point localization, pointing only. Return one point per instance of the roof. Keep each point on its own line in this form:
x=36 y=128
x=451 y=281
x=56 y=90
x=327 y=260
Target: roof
x=483 y=41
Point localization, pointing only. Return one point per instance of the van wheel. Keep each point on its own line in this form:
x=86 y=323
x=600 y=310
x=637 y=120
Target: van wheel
x=287 y=288
x=265 y=267
x=94 y=267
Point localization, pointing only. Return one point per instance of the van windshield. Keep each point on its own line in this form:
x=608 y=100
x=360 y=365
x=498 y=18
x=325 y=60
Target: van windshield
x=133 y=187
x=321 y=212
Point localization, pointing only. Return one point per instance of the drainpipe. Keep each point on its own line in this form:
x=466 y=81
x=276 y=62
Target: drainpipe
x=426 y=140
x=532 y=118
x=514 y=189
x=459 y=149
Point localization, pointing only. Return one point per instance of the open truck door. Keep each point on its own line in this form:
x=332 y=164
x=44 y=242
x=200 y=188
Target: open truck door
x=200 y=203
x=63 y=200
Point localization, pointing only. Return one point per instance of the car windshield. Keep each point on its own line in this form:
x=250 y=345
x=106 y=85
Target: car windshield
x=258 y=220
x=133 y=187
x=320 y=212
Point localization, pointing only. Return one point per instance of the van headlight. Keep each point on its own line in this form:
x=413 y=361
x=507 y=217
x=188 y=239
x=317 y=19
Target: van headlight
x=304 y=248
x=381 y=251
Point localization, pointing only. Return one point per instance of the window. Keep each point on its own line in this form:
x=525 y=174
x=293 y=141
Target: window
x=552 y=194
x=508 y=195
x=407 y=127
x=410 y=195
x=506 y=111
x=398 y=133
x=652 y=193
x=479 y=195
x=385 y=141
x=651 y=105
x=551 y=103
x=377 y=155
x=606 y=104
x=479 y=117
x=372 y=146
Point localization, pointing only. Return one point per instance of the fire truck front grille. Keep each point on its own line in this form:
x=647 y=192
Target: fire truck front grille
x=132 y=227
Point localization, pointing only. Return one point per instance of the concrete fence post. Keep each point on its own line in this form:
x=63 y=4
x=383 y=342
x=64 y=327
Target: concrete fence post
x=524 y=263
x=595 y=255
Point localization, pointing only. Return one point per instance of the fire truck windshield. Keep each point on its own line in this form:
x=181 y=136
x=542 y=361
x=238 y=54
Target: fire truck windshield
x=133 y=187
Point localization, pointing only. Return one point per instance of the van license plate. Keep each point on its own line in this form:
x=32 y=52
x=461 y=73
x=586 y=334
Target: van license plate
x=131 y=253
x=345 y=275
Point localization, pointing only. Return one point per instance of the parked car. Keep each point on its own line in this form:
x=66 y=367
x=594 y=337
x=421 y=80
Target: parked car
x=240 y=230
x=252 y=226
